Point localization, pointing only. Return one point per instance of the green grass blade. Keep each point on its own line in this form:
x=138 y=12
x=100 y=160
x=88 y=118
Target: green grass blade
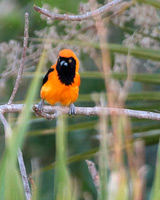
x=72 y=127
x=140 y=96
x=138 y=52
x=72 y=159
x=143 y=78
x=103 y=193
x=62 y=186
x=156 y=186
x=154 y=3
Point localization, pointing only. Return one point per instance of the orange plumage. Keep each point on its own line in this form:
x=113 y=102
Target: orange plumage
x=61 y=83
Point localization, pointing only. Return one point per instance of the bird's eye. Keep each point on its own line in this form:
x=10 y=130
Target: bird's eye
x=70 y=60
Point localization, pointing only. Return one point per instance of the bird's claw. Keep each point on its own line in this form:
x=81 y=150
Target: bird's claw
x=72 y=110
x=40 y=105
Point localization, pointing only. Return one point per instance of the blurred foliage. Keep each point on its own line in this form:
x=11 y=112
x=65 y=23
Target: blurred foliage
x=82 y=134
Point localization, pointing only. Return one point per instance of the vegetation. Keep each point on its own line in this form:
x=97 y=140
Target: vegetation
x=125 y=163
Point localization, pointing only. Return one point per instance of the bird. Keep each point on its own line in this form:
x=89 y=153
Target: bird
x=61 y=82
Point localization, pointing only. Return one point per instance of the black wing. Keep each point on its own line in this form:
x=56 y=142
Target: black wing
x=45 y=79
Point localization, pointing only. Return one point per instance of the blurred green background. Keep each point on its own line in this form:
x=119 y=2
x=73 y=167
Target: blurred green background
x=82 y=137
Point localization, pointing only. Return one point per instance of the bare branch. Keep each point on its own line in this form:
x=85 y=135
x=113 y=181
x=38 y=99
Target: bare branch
x=20 y=70
x=85 y=16
x=8 y=133
x=94 y=173
x=90 y=111
x=93 y=111
x=12 y=108
x=24 y=175
x=53 y=111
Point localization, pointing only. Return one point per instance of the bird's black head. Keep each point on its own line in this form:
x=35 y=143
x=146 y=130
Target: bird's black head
x=66 y=68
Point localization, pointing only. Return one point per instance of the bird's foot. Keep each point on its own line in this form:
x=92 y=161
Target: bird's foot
x=72 y=110
x=40 y=105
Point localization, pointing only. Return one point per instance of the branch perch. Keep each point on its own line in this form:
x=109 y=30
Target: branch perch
x=51 y=112
x=85 y=16
x=93 y=111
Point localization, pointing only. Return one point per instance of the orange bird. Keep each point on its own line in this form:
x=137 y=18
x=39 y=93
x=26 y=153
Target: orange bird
x=62 y=81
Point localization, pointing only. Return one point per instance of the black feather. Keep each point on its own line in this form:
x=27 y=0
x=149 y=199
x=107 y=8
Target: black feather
x=45 y=79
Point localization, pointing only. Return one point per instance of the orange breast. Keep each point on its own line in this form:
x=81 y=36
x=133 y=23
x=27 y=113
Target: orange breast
x=53 y=91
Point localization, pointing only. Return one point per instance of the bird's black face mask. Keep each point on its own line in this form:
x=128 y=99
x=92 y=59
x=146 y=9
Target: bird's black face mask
x=66 y=68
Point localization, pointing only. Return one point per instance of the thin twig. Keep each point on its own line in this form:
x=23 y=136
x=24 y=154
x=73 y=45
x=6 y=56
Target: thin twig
x=93 y=172
x=8 y=133
x=85 y=16
x=121 y=10
x=20 y=70
x=7 y=128
x=89 y=111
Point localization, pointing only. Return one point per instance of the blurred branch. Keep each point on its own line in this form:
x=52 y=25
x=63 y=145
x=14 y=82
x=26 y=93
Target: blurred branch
x=20 y=70
x=93 y=172
x=56 y=110
x=141 y=167
x=24 y=175
x=127 y=84
x=85 y=16
x=8 y=133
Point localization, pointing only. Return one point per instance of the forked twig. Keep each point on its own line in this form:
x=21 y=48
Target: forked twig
x=8 y=133
x=20 y=70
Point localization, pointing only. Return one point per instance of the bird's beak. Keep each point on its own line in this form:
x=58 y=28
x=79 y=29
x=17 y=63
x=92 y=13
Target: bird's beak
x=63 y=62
